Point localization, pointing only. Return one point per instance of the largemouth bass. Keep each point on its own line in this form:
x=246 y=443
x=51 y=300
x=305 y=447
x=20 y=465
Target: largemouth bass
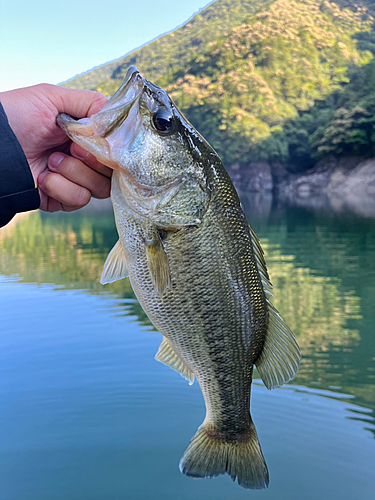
x=196 y=267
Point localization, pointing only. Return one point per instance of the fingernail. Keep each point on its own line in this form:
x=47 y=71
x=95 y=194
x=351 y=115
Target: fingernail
x=79 y=152
x=55 y=159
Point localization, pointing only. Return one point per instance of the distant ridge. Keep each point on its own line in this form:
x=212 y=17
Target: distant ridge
x=160 y=55
x=281 y=81
x=71 y=82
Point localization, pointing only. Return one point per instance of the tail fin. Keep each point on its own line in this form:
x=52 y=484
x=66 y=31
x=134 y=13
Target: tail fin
x=208 y=456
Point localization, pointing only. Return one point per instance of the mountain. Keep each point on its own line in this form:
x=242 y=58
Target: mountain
x=159 y=57
x=290 y=81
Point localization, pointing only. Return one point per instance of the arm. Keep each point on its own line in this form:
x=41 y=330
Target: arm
x=18 y=191
x=66 y=175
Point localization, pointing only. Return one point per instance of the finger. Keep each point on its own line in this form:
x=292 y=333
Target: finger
x=80 y=103
x=48 y=204
x=43 y=200
x=79 y=173
x=54 y=205
x=69 y=194
x=89 y=159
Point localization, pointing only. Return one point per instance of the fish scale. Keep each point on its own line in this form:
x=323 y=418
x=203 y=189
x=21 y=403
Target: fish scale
x=196 y=267
x=192 y=309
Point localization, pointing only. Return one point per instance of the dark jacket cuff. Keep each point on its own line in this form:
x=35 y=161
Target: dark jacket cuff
x=18 y=192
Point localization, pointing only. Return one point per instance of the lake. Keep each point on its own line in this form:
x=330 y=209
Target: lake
x=86 y=413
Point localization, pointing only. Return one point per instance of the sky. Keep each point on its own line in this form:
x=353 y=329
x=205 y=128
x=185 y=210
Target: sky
x=51 y=41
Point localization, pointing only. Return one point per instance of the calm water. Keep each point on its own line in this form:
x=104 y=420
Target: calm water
x=86 y=413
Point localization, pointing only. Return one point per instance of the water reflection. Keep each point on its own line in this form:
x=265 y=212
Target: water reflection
x=322 y=268
x=68 y=251
x=86 y=413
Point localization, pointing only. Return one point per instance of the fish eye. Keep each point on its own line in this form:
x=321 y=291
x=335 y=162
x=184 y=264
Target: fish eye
x=163 y=121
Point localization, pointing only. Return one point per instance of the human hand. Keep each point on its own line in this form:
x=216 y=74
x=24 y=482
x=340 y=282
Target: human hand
x=66 y=175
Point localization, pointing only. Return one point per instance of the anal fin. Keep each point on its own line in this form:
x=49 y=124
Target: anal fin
x=167 y=356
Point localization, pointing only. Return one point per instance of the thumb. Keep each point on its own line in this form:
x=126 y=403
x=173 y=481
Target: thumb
x=79 y=103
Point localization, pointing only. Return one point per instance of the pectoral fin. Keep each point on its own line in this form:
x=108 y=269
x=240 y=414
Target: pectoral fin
x=167 y=356
x=158 y=264
x=172 y=210
x=115 y=265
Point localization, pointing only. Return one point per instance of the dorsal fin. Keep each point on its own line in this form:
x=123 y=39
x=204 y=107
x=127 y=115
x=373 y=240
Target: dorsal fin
x=280 y=358
x=261 y=263
x=167 y=356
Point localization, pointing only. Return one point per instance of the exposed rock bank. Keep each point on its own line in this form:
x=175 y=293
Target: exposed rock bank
x=341 y=185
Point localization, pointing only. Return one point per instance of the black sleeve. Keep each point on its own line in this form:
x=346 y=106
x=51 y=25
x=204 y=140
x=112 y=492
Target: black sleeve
x=18 y=192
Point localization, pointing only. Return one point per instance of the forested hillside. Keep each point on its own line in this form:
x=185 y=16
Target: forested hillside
x=281 y=80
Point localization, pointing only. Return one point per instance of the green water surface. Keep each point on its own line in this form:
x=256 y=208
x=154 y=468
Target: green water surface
x=87 y=413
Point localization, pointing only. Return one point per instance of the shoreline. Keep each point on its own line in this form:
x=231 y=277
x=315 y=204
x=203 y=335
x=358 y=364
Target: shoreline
x=338 y=185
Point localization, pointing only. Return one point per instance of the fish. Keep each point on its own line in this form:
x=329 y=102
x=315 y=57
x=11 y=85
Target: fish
x=196 y=267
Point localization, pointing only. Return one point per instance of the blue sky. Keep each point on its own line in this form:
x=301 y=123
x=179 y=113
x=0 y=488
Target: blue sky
x=52 y=41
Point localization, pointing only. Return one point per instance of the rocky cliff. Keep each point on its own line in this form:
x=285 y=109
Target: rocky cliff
x=342 y=185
